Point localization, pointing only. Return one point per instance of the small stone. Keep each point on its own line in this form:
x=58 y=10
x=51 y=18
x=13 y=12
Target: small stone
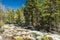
x=0 y=37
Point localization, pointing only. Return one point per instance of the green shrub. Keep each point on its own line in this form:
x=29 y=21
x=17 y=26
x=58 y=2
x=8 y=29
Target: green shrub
x=28 y=39
x=45 y=37
x=1 y=23
x=19 y=38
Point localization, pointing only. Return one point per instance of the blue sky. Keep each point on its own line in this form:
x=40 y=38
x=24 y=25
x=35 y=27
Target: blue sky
x=14 y=4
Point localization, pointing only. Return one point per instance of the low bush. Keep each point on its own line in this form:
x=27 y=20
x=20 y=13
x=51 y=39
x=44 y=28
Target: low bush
x=19 y=39
x=45 y=37
x=1 y=24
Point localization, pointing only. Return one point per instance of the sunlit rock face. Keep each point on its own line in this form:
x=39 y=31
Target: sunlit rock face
x=16 y=33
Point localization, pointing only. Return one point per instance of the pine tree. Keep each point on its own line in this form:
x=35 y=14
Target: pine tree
x=20 y=16
x=1 y=12
x=49 y=14
x=10 y=16
x=32 y=12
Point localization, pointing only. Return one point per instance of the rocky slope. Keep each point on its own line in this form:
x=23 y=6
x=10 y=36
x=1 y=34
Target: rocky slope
x=11 y=32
